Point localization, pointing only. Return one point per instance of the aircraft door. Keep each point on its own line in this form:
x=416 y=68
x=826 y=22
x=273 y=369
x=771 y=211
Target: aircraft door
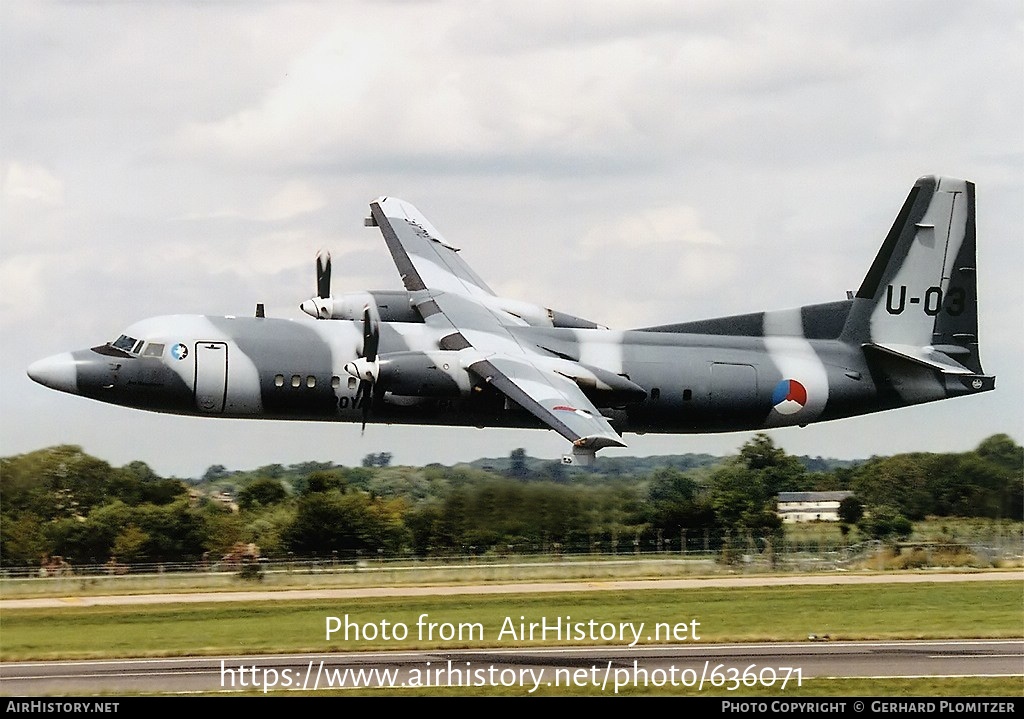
x=733 y=388
x=211 y=376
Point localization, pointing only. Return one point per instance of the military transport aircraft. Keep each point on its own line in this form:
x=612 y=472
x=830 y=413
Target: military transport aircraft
x=448 y=351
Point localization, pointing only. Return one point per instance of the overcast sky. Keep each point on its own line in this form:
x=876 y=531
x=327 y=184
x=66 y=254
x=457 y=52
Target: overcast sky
x=633 y=163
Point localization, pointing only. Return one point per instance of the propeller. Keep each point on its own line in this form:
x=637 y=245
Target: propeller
x=320 y=306
x=323 y=274
x=365 y=368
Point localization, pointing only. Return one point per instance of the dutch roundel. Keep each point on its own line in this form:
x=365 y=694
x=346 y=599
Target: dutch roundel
x=789 y=397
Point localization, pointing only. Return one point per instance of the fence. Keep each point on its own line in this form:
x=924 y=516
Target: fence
x=700 y=555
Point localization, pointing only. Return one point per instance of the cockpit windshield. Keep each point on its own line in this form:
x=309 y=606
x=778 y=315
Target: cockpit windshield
x=125 y=343
x=128 y=346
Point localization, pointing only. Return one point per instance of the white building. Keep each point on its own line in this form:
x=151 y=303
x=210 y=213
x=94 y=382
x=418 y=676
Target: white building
x=796 y=507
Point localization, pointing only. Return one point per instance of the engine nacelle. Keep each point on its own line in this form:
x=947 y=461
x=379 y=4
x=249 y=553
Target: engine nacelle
x=415 y=374
x=398 y=306
x=537 y=316
x=393 y=306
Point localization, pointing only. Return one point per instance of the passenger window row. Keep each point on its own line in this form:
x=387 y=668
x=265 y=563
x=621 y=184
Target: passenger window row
x=310 y=381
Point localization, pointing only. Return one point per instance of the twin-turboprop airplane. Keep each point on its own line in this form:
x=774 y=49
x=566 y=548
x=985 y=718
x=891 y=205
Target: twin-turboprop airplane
x=448 y=351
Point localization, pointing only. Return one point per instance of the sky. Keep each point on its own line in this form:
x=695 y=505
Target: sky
x=632 y=163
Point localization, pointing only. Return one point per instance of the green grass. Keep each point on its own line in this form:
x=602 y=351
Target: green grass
x=814 y=536
x=374 y=574
x=885 y=611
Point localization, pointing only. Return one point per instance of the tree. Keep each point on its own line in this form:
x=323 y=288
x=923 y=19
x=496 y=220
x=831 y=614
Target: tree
x=325 y=480
x=673 y=503
x=850 y=510
x=671 y=485
x=743 y=491
x=381 y=459
x=129 y=543
x=22 y=540
x=517 y=464
x=329 y=521
x=1002 y=450
x=262 y=492
x=741 y=501
x=778 y=471
x=886 y=523
x=904 y=482
x=215 y=472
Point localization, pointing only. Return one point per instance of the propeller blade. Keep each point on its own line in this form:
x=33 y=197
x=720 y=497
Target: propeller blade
x=371 y=332
x=367 y=404
x=323 y=274
x=366 y=367
x=363 y=400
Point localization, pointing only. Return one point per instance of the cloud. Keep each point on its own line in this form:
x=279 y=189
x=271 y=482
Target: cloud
x=677 y=225
x=30 y=185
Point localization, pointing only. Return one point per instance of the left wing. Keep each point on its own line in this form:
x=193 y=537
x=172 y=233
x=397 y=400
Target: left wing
x=453 y=299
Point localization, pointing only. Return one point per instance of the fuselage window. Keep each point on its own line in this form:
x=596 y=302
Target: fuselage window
x=153 y=349
x=335 y=382
x=351 y=382
x=311 y=381
x=296 y=380
x=687 y=395
x=655 y=393
x=279 y=380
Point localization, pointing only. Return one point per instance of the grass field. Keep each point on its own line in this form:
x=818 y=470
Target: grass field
x=888 y=611
x=991 y=609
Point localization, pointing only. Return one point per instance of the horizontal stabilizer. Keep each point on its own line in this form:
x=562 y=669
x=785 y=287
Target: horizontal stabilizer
x=921 y=355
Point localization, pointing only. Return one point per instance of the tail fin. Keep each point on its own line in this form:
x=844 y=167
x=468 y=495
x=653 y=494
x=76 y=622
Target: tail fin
x=919 y=299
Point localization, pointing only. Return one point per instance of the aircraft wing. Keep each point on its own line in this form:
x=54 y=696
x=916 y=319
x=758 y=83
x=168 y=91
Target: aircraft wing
x=421 y=254
x=553 y=399
x=500 y=360
x=452 y=301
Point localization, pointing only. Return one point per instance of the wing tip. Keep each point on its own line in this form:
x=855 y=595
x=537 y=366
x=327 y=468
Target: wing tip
x=598 y=441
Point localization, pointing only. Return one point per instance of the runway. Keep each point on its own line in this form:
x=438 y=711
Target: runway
x=716 y=669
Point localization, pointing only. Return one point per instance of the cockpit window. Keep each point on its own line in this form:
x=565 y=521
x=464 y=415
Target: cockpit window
x=153 y=349
x=124 y=343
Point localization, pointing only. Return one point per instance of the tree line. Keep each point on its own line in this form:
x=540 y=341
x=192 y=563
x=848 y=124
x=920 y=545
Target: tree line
x=62 y=501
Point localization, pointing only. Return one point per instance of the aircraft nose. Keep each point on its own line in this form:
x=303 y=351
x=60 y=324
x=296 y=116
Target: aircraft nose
x=56 y=372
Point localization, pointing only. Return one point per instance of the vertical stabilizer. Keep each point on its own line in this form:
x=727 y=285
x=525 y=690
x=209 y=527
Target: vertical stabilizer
x=920 y=296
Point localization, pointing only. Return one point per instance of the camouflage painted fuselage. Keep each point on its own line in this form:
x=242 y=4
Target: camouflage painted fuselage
x=709 y=381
